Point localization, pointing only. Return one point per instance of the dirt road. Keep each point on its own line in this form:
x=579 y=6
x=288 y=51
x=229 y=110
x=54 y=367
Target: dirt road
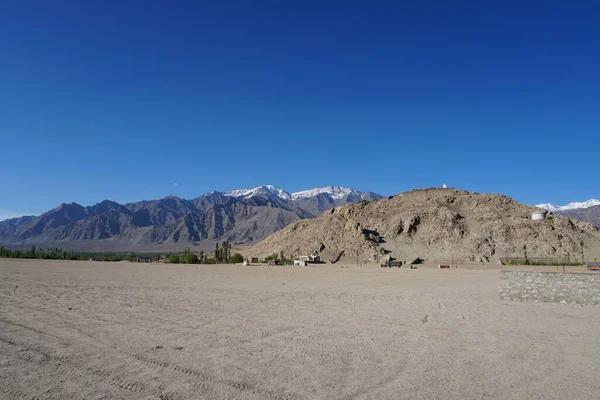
x=140 y=331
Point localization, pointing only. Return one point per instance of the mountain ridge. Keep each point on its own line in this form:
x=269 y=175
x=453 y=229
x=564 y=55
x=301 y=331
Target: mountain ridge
x=587 y=211
x=245 y=216
x=570 y=206
x=587 y=214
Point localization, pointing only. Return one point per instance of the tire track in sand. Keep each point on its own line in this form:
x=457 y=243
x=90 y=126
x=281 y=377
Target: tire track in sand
x=38 y=357
x=239 y=385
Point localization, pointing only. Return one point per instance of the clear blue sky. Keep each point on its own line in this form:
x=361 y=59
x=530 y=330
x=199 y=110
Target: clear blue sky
x=131 y=100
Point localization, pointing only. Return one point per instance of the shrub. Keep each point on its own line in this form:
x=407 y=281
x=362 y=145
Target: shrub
x=174 y=259
x=191 y=258
x=237 y=258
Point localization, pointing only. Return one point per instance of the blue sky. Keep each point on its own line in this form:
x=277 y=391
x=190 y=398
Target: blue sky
x=131 y=100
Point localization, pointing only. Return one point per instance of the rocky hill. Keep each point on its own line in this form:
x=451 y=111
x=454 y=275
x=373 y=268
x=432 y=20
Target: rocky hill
x=240 y=216
x=433 y=224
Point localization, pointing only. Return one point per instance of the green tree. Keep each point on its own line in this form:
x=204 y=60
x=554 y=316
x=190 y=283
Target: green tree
x=237 y=258
x=191 y=258
x=273 y=256
x=201 y=260
x=174 y=259
x=224 y=254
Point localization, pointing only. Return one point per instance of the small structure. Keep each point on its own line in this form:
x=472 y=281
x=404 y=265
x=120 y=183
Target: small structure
x=300 y=263
x=254 y=260
x=310 y=259
x=539 y=215
x=273 y=262
x=143 y=259
x=246 y=263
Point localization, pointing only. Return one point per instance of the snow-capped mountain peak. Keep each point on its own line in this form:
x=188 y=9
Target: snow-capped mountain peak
x=570 y=206
x=247 y=193
x=549 y=207
x=336 y=192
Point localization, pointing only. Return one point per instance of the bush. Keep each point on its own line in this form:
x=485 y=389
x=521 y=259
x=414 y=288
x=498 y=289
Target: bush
x=548 y=262
x=237 y=258
x=174 y=259
x=210 y=261
x=191 y=258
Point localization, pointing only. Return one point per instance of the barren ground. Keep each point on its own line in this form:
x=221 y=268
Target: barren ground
x=91 y=330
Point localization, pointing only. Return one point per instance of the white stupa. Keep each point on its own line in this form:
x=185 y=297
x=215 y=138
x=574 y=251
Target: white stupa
x=444 y=186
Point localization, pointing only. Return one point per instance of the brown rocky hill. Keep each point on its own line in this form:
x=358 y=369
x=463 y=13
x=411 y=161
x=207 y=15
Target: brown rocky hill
x=434 y=224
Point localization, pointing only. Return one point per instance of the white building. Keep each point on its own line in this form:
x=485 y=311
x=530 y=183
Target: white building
x=310 y=259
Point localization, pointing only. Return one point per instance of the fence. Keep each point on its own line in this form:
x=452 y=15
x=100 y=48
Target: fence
x=550 y=261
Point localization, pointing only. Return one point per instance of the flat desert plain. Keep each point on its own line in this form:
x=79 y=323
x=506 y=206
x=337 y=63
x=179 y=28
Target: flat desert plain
x=92 y=330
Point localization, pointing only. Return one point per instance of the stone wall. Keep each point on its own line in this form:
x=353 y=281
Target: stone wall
x=551 y=287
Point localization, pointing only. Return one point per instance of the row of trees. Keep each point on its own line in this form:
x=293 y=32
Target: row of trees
x=60 y=254
x=281 y=257
x=222 y=255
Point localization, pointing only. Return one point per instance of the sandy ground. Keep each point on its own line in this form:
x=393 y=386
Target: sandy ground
x=91 y=330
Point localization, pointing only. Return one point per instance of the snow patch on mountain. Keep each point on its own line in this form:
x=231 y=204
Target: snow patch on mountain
x=336 y=192
x=570 y=206
x=263 y=189
x=549 y=207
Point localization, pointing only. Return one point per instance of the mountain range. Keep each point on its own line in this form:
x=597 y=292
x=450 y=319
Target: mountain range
x=588 y=211
x=571 y=206
x=239 y=216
